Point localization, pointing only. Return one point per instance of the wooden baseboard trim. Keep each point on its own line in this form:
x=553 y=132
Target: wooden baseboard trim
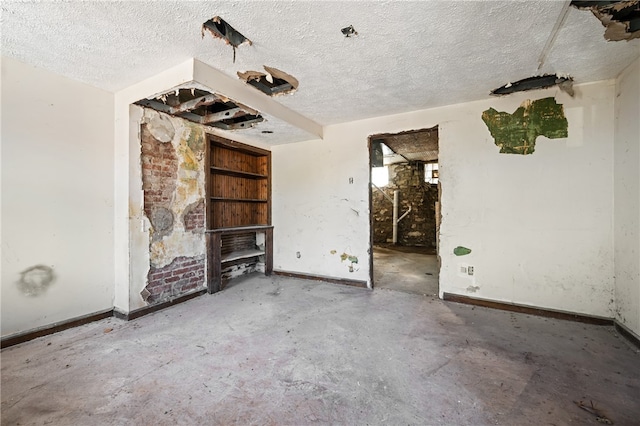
x=343 y=281
x=627 y=334
x=53 y=328
x=137 y=313
x=549 y=313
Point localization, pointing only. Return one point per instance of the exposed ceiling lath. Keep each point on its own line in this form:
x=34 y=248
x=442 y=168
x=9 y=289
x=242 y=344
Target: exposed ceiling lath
x=204 y=108
x=219 y=28
x=275 y=82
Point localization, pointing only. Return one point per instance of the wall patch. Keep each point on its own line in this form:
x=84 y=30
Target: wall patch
x=517 y=133
x=461 y=251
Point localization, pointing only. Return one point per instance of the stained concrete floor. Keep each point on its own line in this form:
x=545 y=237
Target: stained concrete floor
x=408 y=269
x=293 y=352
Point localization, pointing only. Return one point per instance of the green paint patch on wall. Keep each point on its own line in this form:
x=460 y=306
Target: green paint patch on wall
x=517 y=133
x=461 y=251
x=196 y=138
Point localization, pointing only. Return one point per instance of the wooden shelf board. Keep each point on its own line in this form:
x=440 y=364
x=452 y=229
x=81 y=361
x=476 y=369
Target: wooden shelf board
x=241 y=254
x=239 y=200
x=239 y=229
x=237 y=173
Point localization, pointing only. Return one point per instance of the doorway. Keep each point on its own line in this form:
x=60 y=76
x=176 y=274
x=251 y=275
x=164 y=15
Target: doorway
x=404 y=211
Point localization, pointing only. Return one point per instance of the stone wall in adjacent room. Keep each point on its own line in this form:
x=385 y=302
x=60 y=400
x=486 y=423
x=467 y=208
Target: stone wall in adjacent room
x=418 y=228
x=172 y=155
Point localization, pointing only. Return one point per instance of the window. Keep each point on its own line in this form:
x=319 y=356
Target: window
x=380 y=176
x=431 y=173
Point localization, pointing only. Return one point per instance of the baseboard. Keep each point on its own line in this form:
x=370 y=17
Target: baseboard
x=549 y=313
x=628 y=334
x=343 y=281
x=137 y=313
x=15 y=339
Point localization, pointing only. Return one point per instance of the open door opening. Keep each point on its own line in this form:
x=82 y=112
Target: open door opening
x=405 y=211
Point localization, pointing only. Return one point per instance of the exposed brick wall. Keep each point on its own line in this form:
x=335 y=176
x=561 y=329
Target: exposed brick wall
x=159 y=172
x=193 y=217
x=164 y=205
x=419 y=227
x=180 y=276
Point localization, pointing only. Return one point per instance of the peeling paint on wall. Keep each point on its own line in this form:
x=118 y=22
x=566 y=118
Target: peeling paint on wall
x=353 y=260
x=35 y=280
x=517 y=133
x=173 y=184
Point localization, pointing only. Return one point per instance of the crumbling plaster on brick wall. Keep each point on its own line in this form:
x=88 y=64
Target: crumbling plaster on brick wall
x=171 y=170
x=188 y=142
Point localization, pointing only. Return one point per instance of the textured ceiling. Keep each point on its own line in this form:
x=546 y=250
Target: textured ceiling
x=406 y=56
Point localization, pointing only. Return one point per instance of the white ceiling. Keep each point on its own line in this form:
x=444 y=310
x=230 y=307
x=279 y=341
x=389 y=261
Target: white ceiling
x=407 y=55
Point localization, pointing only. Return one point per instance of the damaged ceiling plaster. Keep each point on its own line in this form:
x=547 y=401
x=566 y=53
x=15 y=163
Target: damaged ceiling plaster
x=446 y=61
x=274 y=82
x=219 y=28
x=204 y=108
x=539 y=82
x=620 y=18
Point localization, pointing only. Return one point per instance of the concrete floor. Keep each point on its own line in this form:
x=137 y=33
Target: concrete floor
x=286 y=351
x=408 y=269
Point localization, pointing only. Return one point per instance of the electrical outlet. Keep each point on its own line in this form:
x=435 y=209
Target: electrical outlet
x=470 y=270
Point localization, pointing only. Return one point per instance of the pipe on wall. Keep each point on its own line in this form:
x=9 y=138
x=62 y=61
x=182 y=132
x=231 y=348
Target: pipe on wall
x=395 y=216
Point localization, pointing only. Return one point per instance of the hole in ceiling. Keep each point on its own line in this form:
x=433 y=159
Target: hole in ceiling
x=349 y=31
x=219 y=28
x=620 y=18
x=267 y=132
x=538 y=82
x=238 y=122
x=275 y=82
x=203 y=107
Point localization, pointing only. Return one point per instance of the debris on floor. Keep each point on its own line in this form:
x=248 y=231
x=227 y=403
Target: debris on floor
x=590 y=408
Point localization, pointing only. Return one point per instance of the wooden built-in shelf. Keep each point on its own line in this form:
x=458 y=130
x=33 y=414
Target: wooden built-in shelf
x=239 y=200
x=241 y=254
x=238 y=207
x=237 y=173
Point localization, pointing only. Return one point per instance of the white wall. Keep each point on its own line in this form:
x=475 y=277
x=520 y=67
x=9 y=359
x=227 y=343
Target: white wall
x=57 y=195
x=626 y=196
x=316 y=211
x=540 y=226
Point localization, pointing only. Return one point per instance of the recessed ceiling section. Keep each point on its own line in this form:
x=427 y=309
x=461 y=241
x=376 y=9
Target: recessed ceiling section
x=203 y=107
